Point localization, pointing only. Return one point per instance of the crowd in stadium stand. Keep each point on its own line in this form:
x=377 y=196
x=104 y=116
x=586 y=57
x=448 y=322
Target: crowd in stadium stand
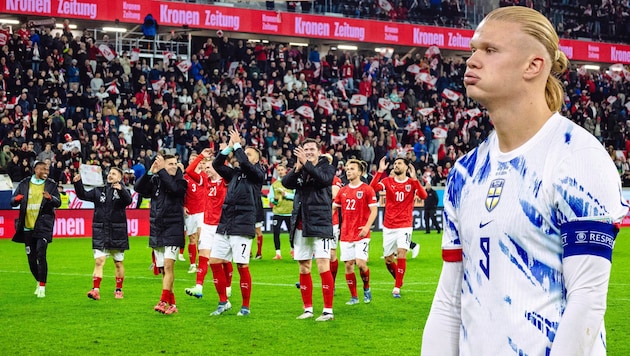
x=61 y=100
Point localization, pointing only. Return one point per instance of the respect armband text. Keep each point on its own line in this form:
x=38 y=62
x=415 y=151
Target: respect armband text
x=588 y=238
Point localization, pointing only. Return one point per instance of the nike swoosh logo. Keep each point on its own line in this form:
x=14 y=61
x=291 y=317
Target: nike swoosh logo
x=482 y=225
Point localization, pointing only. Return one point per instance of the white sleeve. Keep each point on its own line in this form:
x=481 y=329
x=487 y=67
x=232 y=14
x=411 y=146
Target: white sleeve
x=586 y=279
x=441 y=332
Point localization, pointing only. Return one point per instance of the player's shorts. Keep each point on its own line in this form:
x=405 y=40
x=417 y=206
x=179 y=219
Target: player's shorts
x=393 y=239
x=304 y=248
x=356 y=250
x=193 y=222
x=117 y=255
x=335 y=240
x=232 y=248
x=206 y=236
x=166 y=252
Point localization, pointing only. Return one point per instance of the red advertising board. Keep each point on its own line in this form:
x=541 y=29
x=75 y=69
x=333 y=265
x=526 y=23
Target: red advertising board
x=286 y=24
x=78 y=222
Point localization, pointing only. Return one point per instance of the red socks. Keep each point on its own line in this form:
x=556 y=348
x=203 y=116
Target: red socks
x=167 y=296
x=351 y=279
x=365 y=276
x=400 y=272
x=119 y=282
x=259 y=240
x=328 y=288
x=192 y=253
x=202 y=269
x=219 y=280
x=246 y=285
x=95 y=280
x=228 y=269
x=391 y=268
x=306 y=289
x=334 y=266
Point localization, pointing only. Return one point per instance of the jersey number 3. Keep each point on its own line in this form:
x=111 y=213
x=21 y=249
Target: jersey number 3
x=484 y=244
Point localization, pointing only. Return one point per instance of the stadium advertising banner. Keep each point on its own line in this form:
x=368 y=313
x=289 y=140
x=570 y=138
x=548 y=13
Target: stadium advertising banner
x=241 y=20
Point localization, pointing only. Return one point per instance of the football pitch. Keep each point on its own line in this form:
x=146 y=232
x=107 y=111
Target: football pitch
x=66 y=322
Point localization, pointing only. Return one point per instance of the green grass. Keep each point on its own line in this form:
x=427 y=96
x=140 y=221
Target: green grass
x=67 y=322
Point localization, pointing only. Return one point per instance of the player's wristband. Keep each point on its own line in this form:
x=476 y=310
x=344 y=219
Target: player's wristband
x=226 y=151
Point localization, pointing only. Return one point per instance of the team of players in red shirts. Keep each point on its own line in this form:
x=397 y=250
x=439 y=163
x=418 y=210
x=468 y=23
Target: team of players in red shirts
x=356 y=201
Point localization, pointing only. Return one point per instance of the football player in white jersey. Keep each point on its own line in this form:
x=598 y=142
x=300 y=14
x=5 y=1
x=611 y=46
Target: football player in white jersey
x=529 y=215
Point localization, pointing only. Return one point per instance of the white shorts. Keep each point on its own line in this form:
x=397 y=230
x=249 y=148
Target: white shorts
x=193 y=222
x=206 y=237
x=393 y=239
x=166 y=252
x=336 y=234
x=304 y=248
x=117 y=255
x=232 y=248
x=357 y=250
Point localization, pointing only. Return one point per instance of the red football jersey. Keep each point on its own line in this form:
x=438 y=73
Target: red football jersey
x=195 y=195
x=216 y=191
x=355 y=203
x=399 y=200
x=335 y=216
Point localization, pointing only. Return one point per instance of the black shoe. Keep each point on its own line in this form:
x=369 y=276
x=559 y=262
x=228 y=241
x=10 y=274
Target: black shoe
x=428 y=232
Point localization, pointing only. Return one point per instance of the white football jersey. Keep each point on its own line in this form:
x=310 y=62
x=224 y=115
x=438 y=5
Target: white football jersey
x=504 y=212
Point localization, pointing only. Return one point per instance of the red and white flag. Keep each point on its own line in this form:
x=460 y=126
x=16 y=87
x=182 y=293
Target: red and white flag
x=276 y=103
x=335 y=139
x=426 y=78
x=270 y=88
x=358 y=99
x=474 y=112
x=617 y=67
x=4 y=36
x=249 y=101
x=184 y=66
x=451 y=94
x=135 y=55
x=385 y=5
x=413 y=69
x=157 y=85
x=326 y=105
x=305 y=111
x=169 y=55
x=626 y=74
x=611 y=99
x=342 y=88
x=412 y=126
x=614 y=75
x=386 y=104
x=426 y=111
x=113 y=88
x=432 y=51
x=107 y=52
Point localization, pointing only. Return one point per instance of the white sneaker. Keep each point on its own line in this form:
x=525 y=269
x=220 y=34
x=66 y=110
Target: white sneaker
x=305 y=315
x=36 y=289
x=415 y=251
x=353 y=301
x=192 y=269
x=228 y=291
x=195 y=291
x=181 y=257
x=41 y=292
x=325 y=317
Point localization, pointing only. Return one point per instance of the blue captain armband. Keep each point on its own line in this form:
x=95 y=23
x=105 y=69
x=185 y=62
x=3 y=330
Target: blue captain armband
x=588 y=238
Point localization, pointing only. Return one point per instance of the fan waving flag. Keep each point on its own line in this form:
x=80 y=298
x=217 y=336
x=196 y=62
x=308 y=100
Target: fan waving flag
x=413 y=69
x=432 y=51
x=158 y=84
x=474 y=112
x=326 y=105
x=305 y=111
x=249 y=101
x=113 y=87
x=107 y=52
x=611 y=99
x=426 y=111
x=169 y=55
x=451 y=94
x=276 y=103
x=582 y=70
x=335 y=139
x=184 y=66
x=358 y=99
x=342 y=88
x=135 y=55
x=385 y=5
x=386 y=104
